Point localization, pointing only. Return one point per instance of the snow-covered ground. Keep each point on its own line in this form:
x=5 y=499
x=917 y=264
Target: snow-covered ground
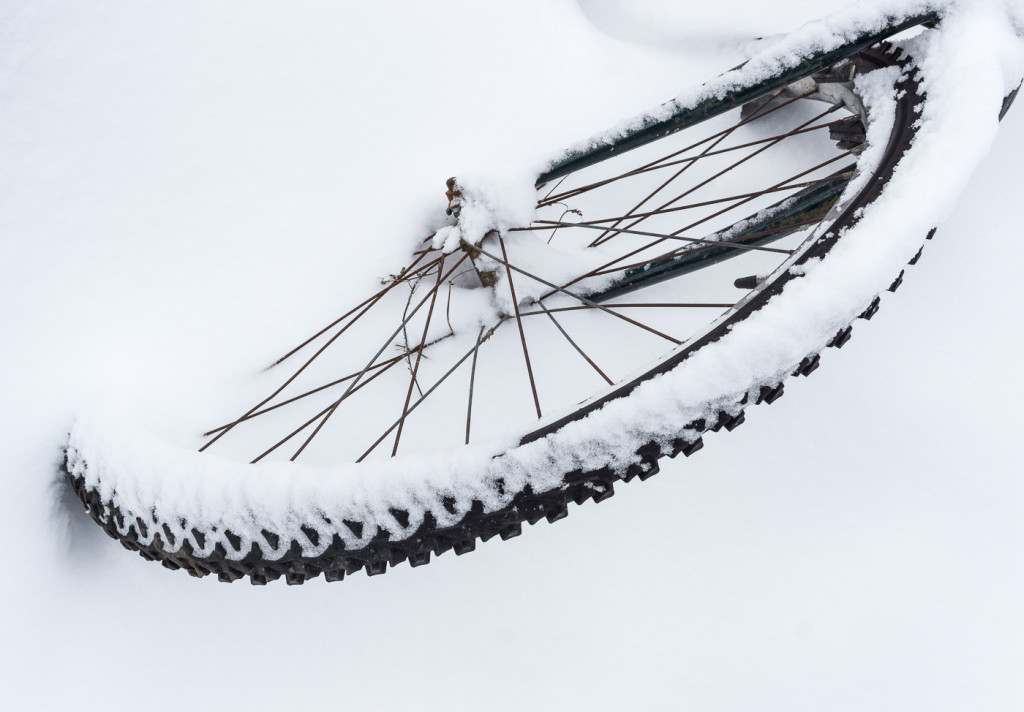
x=186 y=188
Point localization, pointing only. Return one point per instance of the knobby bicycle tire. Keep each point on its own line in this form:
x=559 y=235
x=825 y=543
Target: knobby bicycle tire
x=220 y=552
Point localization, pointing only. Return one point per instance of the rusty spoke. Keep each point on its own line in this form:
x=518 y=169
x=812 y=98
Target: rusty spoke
x=663 y=236
x=406 y=274
x=743 y=201
x=305 y=425
x=430 y=390
x=419 y=359
x=519 y=322
x=568 y=338
x=472 y=381
x=581 y=298
x=658 y=163
x=385 y=365
x=652 y=167
x=650 y=305
x=546 y=224
x=326 y=415
x=601 y=238
x=725 y=170
x=290 y=435
x=382 y=365
x=748 y=144
x=604 y=268
x=298 y=372
x=365 y=305
x=690 y=249
x=554 y=187
x=670 y=193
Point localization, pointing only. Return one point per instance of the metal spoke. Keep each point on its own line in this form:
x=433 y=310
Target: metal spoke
x=419 y=359
x=654 y=167
x=422 y=267
x=565 y=291
x=405 y=331
x=757 y=142
x=472 y=380
x=519 y=322
x=382 y=365
x=290 y=435
x=653 y=305
x=554 y=187
x=323 y=412
x=717 y=243
x=686 y=250
x=331 y=410
x=430 y=390
x=743 y=201
x=297 y=373
x=600 y=238
x=725 y=170
x=660 y=163
x=573 y=343
x=604 y=268
x=545 y=224
x=404 y=275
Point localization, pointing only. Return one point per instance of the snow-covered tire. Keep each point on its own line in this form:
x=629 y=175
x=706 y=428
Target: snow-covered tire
x=177 y=543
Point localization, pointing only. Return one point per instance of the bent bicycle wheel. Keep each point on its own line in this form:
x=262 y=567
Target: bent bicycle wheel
x=537 y=350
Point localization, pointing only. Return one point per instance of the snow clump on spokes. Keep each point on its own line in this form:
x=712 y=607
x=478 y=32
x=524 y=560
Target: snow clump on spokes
x=492 y=203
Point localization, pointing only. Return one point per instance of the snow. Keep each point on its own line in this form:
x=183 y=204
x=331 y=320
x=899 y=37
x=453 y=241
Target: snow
x=493 y=202
x=823 y=35
x=131 y=468
x=869 y=546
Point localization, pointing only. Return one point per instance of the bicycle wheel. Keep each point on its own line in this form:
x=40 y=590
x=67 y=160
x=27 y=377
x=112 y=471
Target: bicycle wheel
x=507 y=348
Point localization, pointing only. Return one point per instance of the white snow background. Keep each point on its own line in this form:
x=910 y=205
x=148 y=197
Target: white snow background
x=185 y=188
